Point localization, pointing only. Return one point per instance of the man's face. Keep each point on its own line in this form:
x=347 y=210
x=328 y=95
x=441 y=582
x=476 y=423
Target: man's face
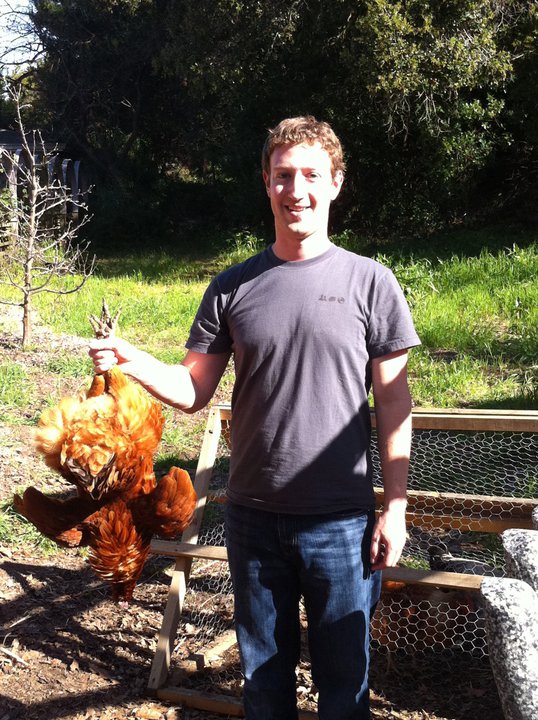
x=301 y=187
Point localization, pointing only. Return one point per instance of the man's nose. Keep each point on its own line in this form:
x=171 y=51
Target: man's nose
x=297 y=185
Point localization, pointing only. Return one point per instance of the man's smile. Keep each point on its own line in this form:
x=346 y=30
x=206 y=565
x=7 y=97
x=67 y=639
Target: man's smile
x=297 y=208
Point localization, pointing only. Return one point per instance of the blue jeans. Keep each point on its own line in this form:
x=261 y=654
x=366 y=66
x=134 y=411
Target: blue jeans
x=276 y=558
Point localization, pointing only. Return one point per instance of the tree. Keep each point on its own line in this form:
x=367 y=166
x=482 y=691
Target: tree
x=427 y=96
x=41 y=251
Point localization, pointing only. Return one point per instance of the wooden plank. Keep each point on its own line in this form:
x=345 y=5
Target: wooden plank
x=476 y=512
x=498 y=504
x=225 y=411
x=457 y=419
x=492 y=412
x=174 y=603
x=213 y=652
x=178 y=586
x=400 y=574
x=475 y=423
x=475 y=420
x=470 y=523
x=172 y=548
x=434 y=578
x=204 y=471
x=220 y=704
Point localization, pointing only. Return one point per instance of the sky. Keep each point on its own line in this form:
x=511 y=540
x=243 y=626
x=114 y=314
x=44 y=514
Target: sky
x=8 y=39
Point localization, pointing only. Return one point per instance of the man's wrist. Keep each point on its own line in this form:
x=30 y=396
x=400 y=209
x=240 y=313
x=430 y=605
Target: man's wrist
x=395 y=505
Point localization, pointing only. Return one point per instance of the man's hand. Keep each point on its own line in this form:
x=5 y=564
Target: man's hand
x=388 y=538
x=109 y=352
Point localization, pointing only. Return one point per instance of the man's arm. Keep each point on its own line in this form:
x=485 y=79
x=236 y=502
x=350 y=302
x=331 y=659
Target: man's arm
x=393 y=417
x=188 y=386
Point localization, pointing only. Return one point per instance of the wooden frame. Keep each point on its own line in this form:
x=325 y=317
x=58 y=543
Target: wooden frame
x=434 y=507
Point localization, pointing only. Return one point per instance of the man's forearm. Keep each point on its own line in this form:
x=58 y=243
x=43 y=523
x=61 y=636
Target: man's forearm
x=393 y=421
x=171 y=384
x=393 y=416
x=394 y=441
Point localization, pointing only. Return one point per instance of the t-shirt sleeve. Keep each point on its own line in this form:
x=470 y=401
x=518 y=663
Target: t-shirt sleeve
x=390 y=326
x=209 y=331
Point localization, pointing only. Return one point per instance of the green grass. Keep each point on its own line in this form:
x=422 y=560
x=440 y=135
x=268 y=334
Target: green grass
x=473 y=295
x=16 y=390
x=70 y=366
x=179 y=445
x=16 y=530
x=155 y=315
x=15 y=387
x=478 y=321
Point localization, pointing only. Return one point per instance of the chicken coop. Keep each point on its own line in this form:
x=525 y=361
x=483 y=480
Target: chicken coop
x=473 y=475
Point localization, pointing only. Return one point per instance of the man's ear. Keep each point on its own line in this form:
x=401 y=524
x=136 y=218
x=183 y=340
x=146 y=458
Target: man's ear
x=337 y=182
x=267 y=182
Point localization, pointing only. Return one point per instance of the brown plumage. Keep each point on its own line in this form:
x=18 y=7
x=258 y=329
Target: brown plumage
x=103 y=443
x=100 y=440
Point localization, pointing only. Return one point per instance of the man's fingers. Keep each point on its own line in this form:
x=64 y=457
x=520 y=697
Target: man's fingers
x=374 y=549
x=103 y=360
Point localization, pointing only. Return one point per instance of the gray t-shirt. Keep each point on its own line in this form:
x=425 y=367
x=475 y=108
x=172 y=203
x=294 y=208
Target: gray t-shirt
x=303 y=335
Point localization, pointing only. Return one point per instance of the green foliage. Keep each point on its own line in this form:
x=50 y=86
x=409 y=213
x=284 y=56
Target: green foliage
x=157 y=314
x=170 y=102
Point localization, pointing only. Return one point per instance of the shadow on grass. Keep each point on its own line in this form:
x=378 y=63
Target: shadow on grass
x=461 y=241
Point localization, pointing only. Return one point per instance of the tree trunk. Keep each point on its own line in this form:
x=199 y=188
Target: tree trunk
x=26 y=322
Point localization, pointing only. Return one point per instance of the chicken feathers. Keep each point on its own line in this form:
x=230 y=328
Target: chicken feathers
x=103 y=443
x=97 y=440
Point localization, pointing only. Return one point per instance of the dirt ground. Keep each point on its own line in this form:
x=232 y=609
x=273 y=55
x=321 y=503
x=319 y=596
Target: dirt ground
x=68 y=652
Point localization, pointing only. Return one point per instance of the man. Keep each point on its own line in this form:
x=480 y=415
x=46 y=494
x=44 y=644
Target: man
x=312 y=327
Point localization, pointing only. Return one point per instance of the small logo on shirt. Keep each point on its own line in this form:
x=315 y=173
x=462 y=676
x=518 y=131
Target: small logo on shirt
x=331 y=299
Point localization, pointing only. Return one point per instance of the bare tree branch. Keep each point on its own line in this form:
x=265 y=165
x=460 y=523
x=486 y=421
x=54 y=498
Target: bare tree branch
x=42 y=252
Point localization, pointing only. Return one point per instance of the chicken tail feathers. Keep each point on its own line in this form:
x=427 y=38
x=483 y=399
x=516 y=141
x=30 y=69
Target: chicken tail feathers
x=118 y=550
x=169 y=508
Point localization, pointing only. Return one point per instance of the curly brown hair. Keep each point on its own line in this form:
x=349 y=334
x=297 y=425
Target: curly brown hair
x=304 y=129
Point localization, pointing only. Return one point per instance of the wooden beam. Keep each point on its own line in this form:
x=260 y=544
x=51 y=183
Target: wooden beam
x=477 y=513
x=172 y=548
x=456 y=419
x=468 y=523
x=433 y=578
x=178 y=586
x=225 y=411
x=165 y=642
x=215 y=650
x=475 y=420
x=490 y=504
x=400 y=574
x=220 y=704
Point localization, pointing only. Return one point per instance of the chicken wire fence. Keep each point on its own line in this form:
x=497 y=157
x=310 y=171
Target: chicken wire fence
x=464 y=487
